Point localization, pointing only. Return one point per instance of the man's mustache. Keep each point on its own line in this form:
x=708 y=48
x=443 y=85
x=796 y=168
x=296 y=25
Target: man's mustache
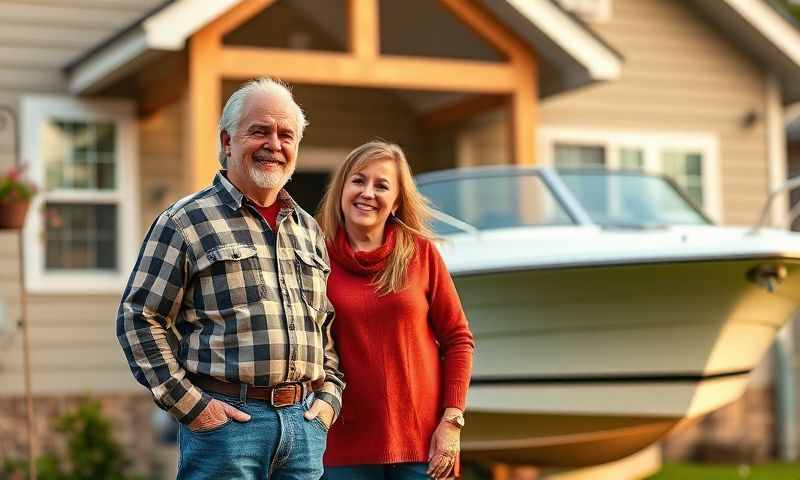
x=263 y=157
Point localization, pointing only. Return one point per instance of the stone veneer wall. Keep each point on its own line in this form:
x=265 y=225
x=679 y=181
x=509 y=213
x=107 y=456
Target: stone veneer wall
x=742 y=432
x=130 y=416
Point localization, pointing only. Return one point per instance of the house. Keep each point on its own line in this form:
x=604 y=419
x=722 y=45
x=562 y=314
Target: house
x=117 y=106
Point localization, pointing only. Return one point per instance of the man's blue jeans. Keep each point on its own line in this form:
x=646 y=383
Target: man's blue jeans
x=395 y=471
x=276 y=444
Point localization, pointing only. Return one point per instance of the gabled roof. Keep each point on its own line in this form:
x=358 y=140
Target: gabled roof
x=163 y=29
x=562 y=39
x=763 y=30
x=573 y=54
x=576 y=55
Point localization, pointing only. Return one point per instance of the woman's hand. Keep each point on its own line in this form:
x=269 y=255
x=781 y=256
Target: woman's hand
x=445 y=446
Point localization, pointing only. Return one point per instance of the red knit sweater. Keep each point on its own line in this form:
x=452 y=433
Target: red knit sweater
x=406 y=356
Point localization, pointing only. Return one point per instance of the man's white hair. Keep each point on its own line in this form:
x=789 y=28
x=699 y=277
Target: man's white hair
x=232 y=112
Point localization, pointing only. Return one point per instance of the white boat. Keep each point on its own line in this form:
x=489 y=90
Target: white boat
x=607 y=308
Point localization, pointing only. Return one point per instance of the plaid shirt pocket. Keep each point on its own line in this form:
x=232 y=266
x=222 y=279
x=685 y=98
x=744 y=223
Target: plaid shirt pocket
x=313 y=277
x=229 y=276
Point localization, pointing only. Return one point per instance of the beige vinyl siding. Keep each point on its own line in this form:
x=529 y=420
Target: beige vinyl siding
x=162 y=165
x=679 y=75
x=10 y=334
x=74 y=347
x=39 y=38
x=73 y=342
x=484 y=141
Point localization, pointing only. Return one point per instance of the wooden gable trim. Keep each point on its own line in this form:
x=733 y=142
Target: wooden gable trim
x=524 y=97
x=362 y=66
x=325 y=68
x=487 y=28
x=524 y=109
x=237 y=16
x=205 y=98
x=363 y=28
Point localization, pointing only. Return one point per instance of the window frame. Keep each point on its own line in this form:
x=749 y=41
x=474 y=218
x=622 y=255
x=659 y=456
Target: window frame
x=35 y=110
x=652 y=144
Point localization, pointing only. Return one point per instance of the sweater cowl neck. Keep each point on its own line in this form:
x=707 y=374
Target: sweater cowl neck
x=362 y=263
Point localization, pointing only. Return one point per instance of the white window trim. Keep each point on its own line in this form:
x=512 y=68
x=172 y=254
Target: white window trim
x=35 y=110
x=651 y=143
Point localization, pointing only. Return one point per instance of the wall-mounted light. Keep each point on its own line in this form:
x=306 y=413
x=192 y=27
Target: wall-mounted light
x=749 y=119
x=5 y=322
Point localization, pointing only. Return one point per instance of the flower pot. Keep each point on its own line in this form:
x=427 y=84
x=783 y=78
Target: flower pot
x=12 y=214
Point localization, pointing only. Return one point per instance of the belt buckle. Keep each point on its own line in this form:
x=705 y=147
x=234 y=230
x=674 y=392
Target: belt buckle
x=276 y=388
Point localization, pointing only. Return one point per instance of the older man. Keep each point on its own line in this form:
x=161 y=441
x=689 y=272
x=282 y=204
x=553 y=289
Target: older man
x=225 y=317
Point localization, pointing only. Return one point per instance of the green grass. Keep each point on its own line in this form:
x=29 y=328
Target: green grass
x=775 y=471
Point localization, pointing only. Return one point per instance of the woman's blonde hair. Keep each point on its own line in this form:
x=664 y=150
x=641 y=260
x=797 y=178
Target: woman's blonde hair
x=412 y=217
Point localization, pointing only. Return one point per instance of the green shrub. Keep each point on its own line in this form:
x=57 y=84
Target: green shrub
x=91 y=453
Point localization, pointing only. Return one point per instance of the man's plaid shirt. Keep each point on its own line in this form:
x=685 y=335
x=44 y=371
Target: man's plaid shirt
x=216 y=292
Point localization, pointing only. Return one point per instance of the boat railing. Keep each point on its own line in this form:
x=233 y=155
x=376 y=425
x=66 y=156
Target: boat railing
x=788 y=186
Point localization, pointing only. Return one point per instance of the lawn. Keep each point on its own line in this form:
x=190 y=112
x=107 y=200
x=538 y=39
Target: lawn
x=776 y=471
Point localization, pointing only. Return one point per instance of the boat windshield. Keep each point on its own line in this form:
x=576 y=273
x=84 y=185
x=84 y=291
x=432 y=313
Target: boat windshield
x=492 y=201
x=630 y=199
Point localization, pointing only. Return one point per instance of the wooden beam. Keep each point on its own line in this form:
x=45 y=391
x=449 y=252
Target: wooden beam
x=327 y=68
x=486 y=27
x=523 y=118
x=236 y=16
x=524 y=99
x=461 y=110
x=205 y=91
x=363 y=28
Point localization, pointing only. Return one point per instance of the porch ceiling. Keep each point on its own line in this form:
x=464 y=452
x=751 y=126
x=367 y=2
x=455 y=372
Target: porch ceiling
x=570 y=55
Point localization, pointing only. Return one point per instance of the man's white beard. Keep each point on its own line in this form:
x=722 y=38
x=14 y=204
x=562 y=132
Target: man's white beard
x=266 y=178
x=269 y=179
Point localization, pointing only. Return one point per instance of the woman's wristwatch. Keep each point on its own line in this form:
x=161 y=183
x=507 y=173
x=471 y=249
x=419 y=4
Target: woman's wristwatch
x=457 y=420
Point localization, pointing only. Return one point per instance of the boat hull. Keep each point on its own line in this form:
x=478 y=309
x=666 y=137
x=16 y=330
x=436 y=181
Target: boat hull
x=585 y=365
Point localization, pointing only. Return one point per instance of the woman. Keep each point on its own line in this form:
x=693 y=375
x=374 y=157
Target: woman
x=401 y=334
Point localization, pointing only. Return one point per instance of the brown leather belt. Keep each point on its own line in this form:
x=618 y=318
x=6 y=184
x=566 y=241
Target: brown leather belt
x=280 y=395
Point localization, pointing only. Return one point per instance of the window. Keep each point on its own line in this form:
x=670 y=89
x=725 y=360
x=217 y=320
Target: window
x=690 y=160
x=686 y=168
x=495 y=201
x=580 y=156
x=83 y=229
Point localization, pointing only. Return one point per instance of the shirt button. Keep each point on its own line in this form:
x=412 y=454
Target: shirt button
x=291 y=326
